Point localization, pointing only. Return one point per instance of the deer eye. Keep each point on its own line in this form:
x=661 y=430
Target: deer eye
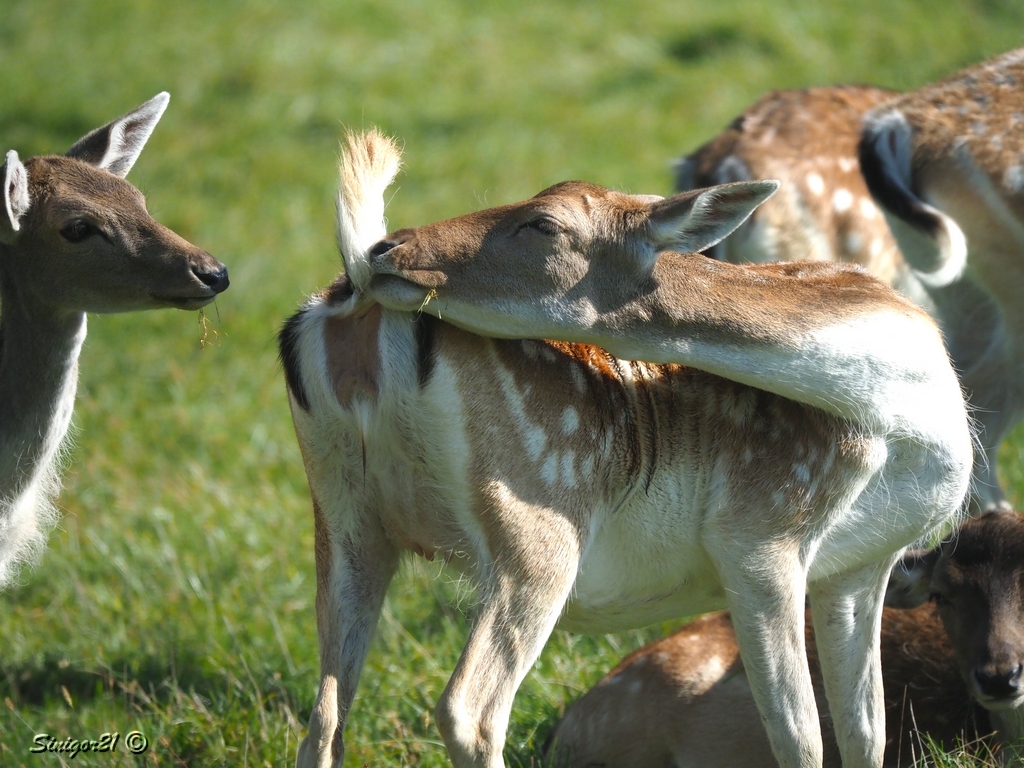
x=543 y=224
x=78 y=230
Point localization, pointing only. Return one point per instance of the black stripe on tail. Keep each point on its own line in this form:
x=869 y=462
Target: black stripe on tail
x=877 y=152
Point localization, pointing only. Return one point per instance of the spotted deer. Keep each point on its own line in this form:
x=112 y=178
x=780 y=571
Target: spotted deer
x=799 y=426
x=951 y=669
x=823 y=211
x=945 y=165
x=75 y=237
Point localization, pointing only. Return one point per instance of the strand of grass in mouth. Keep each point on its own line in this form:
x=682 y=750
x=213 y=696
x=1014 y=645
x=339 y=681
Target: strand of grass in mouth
x=431 y=294
x=204 y=324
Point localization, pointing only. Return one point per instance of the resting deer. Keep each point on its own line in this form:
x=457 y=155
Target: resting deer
x=951 y=671
x=75 y=237
x=819 y=432
x=945 y=164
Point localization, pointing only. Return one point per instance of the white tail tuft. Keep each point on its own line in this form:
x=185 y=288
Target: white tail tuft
x=369 y=163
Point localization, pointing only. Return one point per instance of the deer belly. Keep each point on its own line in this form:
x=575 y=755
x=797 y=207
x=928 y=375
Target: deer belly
x=623 y=587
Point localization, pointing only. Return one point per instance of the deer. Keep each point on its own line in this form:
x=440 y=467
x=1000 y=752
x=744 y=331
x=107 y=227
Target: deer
x=797 y=426
x=75 y=237
x=943 y=164
x=952 y=647
x=807 y=138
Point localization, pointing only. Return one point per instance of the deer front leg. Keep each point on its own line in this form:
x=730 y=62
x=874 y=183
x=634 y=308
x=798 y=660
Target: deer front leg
x=353 y=571
x=531 y=574
x=764 y=586
x=847 y=614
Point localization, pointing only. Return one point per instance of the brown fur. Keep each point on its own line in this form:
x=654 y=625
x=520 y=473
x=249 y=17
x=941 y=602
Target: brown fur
x=809 y=139
x=350 y=345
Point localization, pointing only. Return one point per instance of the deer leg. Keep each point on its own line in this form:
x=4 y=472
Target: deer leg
x=764 y=585
x=528 y=581
x=353 y=571
x=847 y=614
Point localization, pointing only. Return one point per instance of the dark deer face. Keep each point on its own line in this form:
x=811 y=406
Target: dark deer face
x=977 y=581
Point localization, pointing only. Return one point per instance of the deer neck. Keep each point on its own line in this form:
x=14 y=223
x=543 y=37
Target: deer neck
x=39 y=351
x=766 y=327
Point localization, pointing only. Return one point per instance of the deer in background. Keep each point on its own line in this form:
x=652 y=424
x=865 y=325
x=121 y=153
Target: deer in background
x=75 y=237
x=823 y=211
x=946 y=165
x=951 y=670
x=819 y=431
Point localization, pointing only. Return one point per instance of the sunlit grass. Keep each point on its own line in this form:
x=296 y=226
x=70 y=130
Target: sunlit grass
x=177 y=598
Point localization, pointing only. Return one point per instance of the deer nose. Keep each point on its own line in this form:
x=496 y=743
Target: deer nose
x=381 y=247
x=214 y=278
x=1000 y=683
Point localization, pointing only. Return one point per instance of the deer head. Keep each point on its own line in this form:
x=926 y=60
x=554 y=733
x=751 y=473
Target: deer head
x=574 y=249
x=977 y=581
x=76 y=237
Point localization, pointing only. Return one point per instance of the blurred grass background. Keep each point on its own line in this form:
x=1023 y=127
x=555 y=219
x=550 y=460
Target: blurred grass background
x=177 y=597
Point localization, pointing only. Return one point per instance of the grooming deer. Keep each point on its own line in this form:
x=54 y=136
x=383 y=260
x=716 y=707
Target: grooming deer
x=815 y=431
x=951 y=669
x=946 y=165
x=75 y=237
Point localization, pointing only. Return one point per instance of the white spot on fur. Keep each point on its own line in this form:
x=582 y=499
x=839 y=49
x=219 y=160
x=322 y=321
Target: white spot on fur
x=534 y=440
x=570 y=420
x=569 y=469
x=815 y=183
x=1013 y=178
x=530 y=348
x=842 y=200
x=867 y=208
x=802 y=473
x=876 y=246
x=578 y=378
x=847 y=164
x=549 y=470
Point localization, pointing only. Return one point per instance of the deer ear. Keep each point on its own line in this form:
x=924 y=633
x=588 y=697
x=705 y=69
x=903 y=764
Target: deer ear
x=16 y=199
x=116 y=146
x=911 y=577
x=694 y=221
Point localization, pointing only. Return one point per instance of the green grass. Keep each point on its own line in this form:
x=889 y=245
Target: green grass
x=177 y=597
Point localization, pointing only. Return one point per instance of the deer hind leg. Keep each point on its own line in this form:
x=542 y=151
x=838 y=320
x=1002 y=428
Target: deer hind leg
x=847 y=614
x=525 y=587
x=764 y=584
x=353 y=569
